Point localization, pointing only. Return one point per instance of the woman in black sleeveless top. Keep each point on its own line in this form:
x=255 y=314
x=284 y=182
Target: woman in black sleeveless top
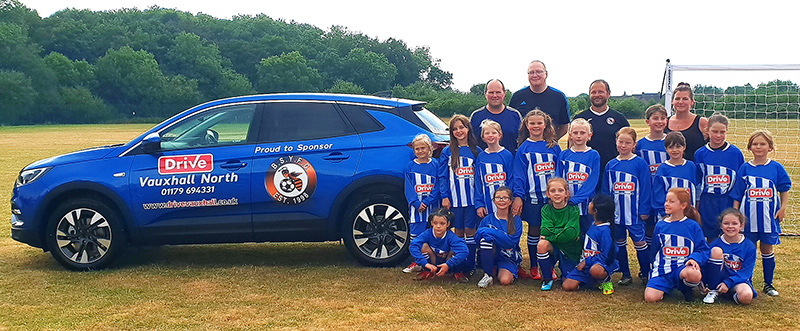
x=693 y=127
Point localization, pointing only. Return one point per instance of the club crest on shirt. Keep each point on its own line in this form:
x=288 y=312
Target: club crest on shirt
x=610 y=121
x=733 y=262
x=590 y=252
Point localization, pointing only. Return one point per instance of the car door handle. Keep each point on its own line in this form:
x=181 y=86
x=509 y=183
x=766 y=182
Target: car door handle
x=336 y=157
x=233 y=165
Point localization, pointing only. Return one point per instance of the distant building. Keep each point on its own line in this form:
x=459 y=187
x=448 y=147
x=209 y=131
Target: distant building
x=645 y=97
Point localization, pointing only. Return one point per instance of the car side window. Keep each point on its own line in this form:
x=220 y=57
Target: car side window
x=294 y=121
x=361 y=120
x=221 y=126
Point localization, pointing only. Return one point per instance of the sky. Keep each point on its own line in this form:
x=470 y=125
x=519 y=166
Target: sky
x=626 y=43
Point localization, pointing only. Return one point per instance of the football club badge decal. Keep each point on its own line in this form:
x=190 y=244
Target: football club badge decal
x=291 y=180
x=610 y=121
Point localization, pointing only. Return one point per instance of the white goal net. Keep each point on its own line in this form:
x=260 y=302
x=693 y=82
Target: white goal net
x=753 y=97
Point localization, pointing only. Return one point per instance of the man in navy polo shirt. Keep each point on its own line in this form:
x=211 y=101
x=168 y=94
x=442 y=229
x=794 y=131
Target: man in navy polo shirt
x=548 y=99
x=605 y=123
x=495 y=110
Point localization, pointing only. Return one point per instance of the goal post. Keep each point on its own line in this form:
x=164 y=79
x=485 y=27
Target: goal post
x=753 y=97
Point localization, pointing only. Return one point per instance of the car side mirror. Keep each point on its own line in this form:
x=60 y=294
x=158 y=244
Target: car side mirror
x=151 y=143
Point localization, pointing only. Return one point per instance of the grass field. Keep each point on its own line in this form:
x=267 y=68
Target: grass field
x=314 y=286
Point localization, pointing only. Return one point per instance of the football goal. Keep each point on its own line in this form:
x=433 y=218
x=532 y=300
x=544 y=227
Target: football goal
x=753 y=97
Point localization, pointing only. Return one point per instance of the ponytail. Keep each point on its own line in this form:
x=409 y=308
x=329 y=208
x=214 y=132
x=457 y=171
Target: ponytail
x=684 y=197
x=511 y=225
x=691 y=212
x=604 y=207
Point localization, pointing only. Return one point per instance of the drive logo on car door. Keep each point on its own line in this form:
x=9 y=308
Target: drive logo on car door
x=291 y=180
x=185 y=164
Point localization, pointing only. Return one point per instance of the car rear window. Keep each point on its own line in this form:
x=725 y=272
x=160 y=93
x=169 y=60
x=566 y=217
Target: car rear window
x=433 y=122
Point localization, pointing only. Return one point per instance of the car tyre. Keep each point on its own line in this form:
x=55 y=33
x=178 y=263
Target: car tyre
x=376 y=231
x=85 y=234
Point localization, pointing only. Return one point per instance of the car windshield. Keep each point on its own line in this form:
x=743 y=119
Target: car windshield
x=434 y=123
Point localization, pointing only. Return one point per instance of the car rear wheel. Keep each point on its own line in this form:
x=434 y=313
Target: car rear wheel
x=376 y=231
x=84 y=234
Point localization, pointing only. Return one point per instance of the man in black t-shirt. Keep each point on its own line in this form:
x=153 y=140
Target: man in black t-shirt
x=605 y=123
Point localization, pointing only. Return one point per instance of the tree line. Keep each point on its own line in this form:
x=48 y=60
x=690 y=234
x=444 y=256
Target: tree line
x=81 y=66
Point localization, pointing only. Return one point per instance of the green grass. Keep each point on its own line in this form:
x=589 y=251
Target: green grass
x=280 y=286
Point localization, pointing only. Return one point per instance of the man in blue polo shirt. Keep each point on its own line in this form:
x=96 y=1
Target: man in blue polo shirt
x=548 y=99
x=495 y=110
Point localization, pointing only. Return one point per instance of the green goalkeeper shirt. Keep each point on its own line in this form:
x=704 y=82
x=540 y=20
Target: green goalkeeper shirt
x=561 y=227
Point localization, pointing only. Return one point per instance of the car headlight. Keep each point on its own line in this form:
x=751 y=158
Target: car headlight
x=27 y=176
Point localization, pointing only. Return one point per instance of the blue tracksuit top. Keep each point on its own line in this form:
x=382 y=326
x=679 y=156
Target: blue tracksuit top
x=449 y=243
x=739 y=261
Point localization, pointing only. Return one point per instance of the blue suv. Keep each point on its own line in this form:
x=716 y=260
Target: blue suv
x=282 y=167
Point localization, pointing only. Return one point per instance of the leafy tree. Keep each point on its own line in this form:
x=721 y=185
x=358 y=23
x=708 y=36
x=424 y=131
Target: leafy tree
x=80 y=106
x=196 y=59
x=287 y=73
x=233 y=84
x=579 y=103
x=19 y=53
x=17 y=97
x=344 y=87
x=13 y=11
x=132 y=82
x=370 y=70
x=478 y=89
x=630 y=107
x=69 y=73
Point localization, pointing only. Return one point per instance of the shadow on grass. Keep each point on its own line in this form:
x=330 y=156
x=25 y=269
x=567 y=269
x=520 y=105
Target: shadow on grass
x=291 y=255
x=230 y=255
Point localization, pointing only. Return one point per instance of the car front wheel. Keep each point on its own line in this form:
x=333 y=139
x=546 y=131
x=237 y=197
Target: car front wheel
x=84 y=234
x=376 y=231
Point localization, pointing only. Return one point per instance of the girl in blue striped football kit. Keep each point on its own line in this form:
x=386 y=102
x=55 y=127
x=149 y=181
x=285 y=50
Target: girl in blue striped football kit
x=760 y=193
x=498 y=235
x=729 y=270
x=579 y=165
x=718 y=162
x=627 y=179
x=651 y=149
x=438 y=249
x=598 y=259
x=681 y=249
x=493 y=168
x=675 y=172
x=457 y=179
x=421 y=191
x=534 y=165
